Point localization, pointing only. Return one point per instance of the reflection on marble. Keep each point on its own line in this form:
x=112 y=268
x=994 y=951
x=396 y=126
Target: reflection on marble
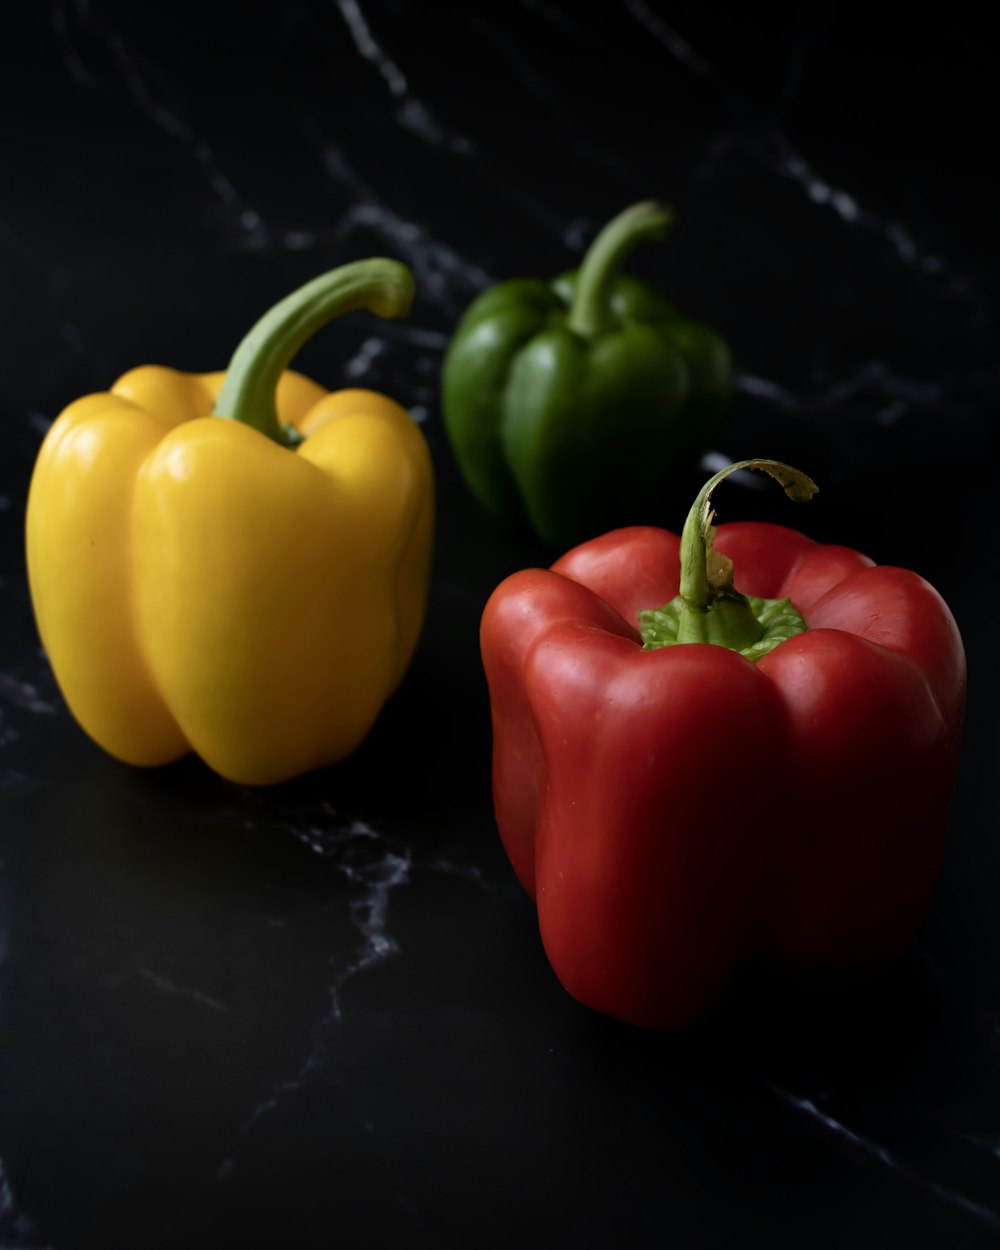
x=325 y=1007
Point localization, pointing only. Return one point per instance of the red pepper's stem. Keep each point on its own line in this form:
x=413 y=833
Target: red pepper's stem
x=384 y=287
x=590 y=312
x=713 y=611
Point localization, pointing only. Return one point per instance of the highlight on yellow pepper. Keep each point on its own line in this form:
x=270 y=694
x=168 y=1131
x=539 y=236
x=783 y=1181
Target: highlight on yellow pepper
x=237 y=563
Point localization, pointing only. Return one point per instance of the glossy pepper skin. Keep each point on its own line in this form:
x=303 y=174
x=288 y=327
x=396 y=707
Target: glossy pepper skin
x=568 y=402
x=676 y=812
x=249 y=588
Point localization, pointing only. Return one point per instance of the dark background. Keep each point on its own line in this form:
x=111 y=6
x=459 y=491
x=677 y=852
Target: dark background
x=320 y=1013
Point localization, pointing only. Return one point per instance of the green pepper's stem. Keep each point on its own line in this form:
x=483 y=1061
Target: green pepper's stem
x=712 y=609
x=384 y=287
x=590 y=312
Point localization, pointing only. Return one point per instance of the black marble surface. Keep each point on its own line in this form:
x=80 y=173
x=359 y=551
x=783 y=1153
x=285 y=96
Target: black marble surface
x=319 y=1014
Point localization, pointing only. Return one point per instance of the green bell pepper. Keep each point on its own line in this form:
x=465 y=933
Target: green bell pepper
x=568 y=403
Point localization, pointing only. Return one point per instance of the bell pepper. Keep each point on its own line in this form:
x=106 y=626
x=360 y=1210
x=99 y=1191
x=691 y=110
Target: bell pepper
x=568 y=403
x=687 y=776
x=236 y=563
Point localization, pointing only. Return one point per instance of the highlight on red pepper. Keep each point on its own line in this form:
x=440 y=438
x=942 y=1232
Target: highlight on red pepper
x=237 y=563
x=737 y=744
x=568 y=402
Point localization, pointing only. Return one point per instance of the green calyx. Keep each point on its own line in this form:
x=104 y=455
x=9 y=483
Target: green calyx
x=774 y=621
x=384 y=287
x=709 y=608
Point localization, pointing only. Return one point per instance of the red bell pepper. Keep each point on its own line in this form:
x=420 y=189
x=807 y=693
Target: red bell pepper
x=724 y=777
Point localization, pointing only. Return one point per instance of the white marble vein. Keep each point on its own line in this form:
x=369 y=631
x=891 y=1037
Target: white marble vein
x=783 y=158
x=361 y=362
x=136 y=76
x=776 y=151
x=413 y=114
x=873 y=380
x=763 y=388
x=890 y=1159
x=370 y=862
x=165 y=985
x=505 y=889
x=370 y=915
x=664 y=33
x=438 y=268
x=24 y=695
x=377 y=865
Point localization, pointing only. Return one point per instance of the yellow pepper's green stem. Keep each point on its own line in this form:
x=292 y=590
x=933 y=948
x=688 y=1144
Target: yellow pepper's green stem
x=384 y=287
x=590 y=311
x=711 y=609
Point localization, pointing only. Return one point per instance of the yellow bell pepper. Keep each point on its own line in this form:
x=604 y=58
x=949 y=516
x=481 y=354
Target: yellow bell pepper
x=250 y=588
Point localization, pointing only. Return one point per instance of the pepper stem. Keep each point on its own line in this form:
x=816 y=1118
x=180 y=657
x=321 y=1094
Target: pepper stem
x=712 y=610
x=590 y=311
x=384 y=287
